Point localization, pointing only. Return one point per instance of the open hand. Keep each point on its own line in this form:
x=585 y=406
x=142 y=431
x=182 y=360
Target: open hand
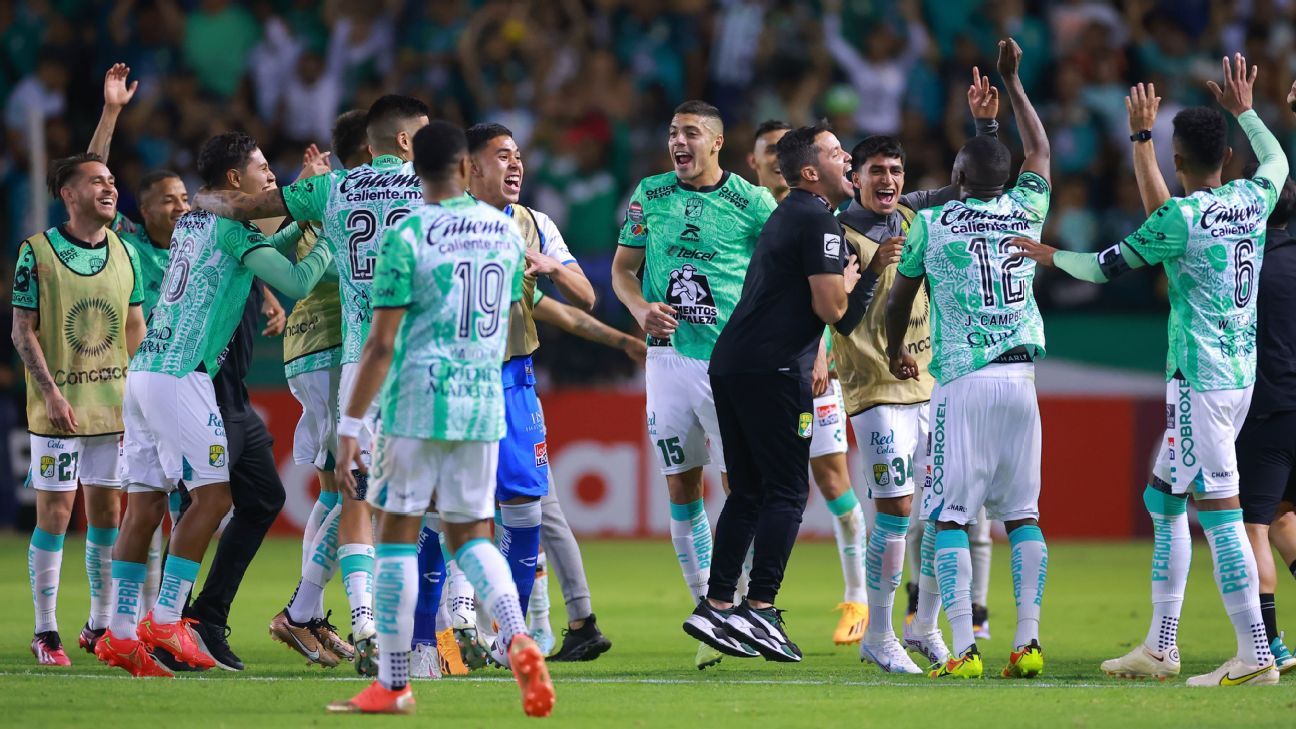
x=658 y=320
x=1239 y=79
x=314 y=162
x=1034 y=250
x=1142 y=105
x=116 y=93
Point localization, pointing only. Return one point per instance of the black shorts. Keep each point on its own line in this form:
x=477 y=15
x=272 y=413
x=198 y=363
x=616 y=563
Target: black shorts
x=1266 y=453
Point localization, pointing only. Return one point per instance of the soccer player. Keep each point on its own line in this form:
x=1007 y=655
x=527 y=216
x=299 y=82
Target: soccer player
x=444 y=282
x=986 y=334
x=173 y=427
x=692 y=232
x=1210 y=243
x=355 y=206
x=76 y=321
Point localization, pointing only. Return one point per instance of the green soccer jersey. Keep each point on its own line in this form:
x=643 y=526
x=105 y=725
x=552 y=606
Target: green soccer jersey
x=697 y=244
x=152 y=259
x=79 y=256
x=982 y=304
x=356 y=206
x=203 y=294
x=1211 y=244
x=455 y=267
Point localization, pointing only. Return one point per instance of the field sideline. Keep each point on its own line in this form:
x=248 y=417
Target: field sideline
x=1095 y=607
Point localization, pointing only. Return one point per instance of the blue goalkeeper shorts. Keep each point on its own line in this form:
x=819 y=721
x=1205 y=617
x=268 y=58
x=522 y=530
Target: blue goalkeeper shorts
x=523 y=454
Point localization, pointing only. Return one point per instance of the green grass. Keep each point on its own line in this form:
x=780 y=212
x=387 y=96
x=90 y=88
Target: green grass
x=1095 y=608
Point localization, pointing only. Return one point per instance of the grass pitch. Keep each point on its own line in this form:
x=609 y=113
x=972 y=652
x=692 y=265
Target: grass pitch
x=1095 y=607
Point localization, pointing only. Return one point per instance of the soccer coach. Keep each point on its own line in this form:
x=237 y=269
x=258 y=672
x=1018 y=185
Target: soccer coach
x=797 y=282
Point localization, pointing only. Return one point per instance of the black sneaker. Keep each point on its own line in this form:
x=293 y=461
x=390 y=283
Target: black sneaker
x=708 y=625
x=763 y=630
x=582 y=644
x=89 y=638
x=175 y=665
x=215 y=640
x=911 y=588
x=980 y=622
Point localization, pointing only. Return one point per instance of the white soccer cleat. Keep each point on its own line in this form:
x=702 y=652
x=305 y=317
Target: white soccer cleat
x=926 y=641
x=425 y=662
x=1236 y=673
x=888 y=654
x=1142 y=663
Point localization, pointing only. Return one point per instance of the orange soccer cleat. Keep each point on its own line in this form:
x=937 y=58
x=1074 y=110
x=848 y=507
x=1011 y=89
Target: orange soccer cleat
x=376 y=700
x=130 y=655
x=532 y=675
x=178 y=639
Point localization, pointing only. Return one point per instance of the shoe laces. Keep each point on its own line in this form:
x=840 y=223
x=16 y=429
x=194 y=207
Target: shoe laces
x=51 y=640
x=325 y=624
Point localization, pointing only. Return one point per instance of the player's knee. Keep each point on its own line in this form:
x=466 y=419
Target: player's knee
x=212 y=499
x=897 y=506
x=54 y=516
x=1011 y=526
x=945 y=526
x=145 y=511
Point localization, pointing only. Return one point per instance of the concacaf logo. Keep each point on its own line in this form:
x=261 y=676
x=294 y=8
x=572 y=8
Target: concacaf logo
x=91 y=327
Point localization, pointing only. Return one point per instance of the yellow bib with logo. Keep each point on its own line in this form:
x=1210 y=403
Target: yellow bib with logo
x=522 y=337
x=315 y=324
x=862 y=365
x=83 y=337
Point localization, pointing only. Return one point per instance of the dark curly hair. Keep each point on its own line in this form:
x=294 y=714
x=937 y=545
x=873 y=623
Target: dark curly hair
x=1201 y=137
x=222 y=153
x=349 y=135
x=874 y=146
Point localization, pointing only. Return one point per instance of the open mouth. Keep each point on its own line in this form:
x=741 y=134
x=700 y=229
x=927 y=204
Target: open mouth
x=513 y=183
x=107 y=201
x=886 y=196
x=683 y=159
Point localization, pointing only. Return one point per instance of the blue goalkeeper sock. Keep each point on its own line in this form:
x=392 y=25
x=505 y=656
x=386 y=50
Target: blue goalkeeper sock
x=520 y=545
x=431 y=568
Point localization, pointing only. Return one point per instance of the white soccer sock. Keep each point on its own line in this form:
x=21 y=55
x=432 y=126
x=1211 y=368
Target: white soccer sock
x=324 y=503
x=357 y=563
x=153 y=580
x=98 y=564
x=128 y=582
x=322 y=563
x=849 y=530
x=44 y=561
x=929 y=601
x=954 y=573
x=980 y=543
x=691 y=534
x=396 y=581
x=459 y=596
x=884 y=561
x=1171 y=557
x=1029 y=570
x=489 y=574
x=538 y=606
x=1237 y=579
x=178 y=578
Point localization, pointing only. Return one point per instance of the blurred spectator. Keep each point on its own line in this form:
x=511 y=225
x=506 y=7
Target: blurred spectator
x=42 y=93
x=218 y=36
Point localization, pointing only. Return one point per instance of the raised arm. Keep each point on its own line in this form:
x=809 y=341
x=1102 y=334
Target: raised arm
x=1035 y=144
x=983 y=101
x=116 y=96
x=1142 y=105
x=1239 y=79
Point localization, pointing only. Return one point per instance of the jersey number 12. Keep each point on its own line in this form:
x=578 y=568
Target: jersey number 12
x=1014 y=292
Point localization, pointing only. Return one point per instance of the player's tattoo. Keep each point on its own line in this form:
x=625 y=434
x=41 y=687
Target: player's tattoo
x=236 y=205
x=25 y=324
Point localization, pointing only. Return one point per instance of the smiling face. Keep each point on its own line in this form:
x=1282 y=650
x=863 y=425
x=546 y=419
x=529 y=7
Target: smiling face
x=764 y=160
x=880 y=181
x=91 y=193
x=256 y=175
x=497 y=172
x=162 y=205
x=694 y=146
x=833 y=166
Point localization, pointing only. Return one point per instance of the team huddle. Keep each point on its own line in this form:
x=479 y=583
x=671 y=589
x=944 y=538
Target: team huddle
x=410 y=348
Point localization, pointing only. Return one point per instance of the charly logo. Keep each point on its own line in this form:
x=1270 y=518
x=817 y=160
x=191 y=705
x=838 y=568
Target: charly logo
x=91 y=327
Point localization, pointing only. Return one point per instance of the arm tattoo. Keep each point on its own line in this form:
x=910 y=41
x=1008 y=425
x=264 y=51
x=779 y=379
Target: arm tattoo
x=26 y=323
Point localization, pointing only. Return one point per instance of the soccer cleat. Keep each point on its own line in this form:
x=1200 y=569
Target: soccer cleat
x=472 y=653
x=452 y=663
x=967 y=665
x=88 y=637
x=301 y=639
x=376 y=700
x=888 y=654
x=544 y=638
x=851 y=625
x=48 y=649
x=1142 y=663
x=366 y=652
x=130 y=655
x=926 y=641
x=980 y=622
x=1026 y=662
x=327 y=635
x=532 y=676
x=214 y=640
x=176 y=638
x=1236 y=673
x=1284 y=661
x=710 y=625
x=585 y=643
x=762 y=629
x=424 y=662
x=707 y=657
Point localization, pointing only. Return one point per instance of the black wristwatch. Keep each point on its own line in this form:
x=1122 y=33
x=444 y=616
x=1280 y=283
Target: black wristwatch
x=1142 y=135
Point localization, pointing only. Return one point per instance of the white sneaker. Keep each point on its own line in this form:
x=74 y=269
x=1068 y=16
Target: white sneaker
x=1236 y=673
x=1143 y=663
x=425 y=662
x=887 y=653
x=926 y=641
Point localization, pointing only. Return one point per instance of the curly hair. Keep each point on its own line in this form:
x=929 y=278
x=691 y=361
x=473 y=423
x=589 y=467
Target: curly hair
x=222 y=153
x=1201 y=138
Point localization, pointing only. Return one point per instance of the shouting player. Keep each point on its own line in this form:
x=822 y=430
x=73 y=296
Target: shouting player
x=1210 y=244
x=692 y=232
x=442 y=291
x=986 y=334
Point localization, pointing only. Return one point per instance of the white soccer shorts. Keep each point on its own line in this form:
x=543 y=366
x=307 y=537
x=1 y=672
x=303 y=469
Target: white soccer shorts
x=410 y=473
x=174 y=432
x=369 y=423
x=1197 y=454
x=891 y=439
x=316 y=433
x=829 y=434
x=57 y=464
x=984 y=446
x=682 y=424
